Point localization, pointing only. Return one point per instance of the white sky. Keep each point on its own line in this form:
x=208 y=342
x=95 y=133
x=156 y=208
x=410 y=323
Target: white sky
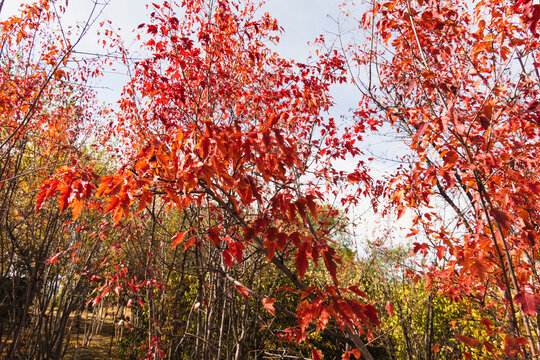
x=302 y=20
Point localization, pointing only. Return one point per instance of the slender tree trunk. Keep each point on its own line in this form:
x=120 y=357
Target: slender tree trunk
x=428 y=333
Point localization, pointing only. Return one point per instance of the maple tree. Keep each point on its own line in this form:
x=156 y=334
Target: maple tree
x=216 y=213
x=460 y=80
x=214 y=120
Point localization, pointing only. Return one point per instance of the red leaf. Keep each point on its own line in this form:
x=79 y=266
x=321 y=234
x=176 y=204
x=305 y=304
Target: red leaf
x=330 y=258
x=316 y=354
x=228 y=257
x=511 y=345
x=421 y=247
x=301 y=206
x=238 y=250
x=213 y=235
x=53 y=258
x=302 y=260
x=420 y=130
x=451 y=158
x=312 y=205
x=281 y=241
x=443 y=122
x=47 y=190
x=271 y=246
x=440 y=251
x=372 y=313
x=269 y=305
x=528 y=302
x=354 y=177
x=468 y=340
x=489 y=347
x=534 y=18
x=488 y=324
x=502 y=218
x=242 y=291
x=412 y=84
x=355 y=289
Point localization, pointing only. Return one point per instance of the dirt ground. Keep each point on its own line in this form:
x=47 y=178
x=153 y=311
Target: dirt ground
x=94 y=336
x=102 y=344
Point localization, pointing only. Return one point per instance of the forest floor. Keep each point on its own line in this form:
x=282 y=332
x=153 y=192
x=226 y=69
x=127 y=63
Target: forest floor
x=94 y=336
x=102 y=343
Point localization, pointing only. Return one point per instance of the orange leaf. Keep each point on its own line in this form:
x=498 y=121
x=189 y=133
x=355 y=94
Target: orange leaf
x=177 y=239
x=145 y=199
x=114 y=201
x=190 y=242
x=355 y=352
x=76 y=208
x=324 y=316
x=390 y=309
x=401 y=211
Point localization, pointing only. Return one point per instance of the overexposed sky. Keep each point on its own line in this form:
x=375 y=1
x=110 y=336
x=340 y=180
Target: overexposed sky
x=302 y=20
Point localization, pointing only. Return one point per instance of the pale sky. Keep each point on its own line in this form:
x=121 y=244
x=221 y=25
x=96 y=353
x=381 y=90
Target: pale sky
x=302 y=20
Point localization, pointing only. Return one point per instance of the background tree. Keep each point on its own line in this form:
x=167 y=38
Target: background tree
x=44 y=115
x=219 y=128
x=460 y=81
